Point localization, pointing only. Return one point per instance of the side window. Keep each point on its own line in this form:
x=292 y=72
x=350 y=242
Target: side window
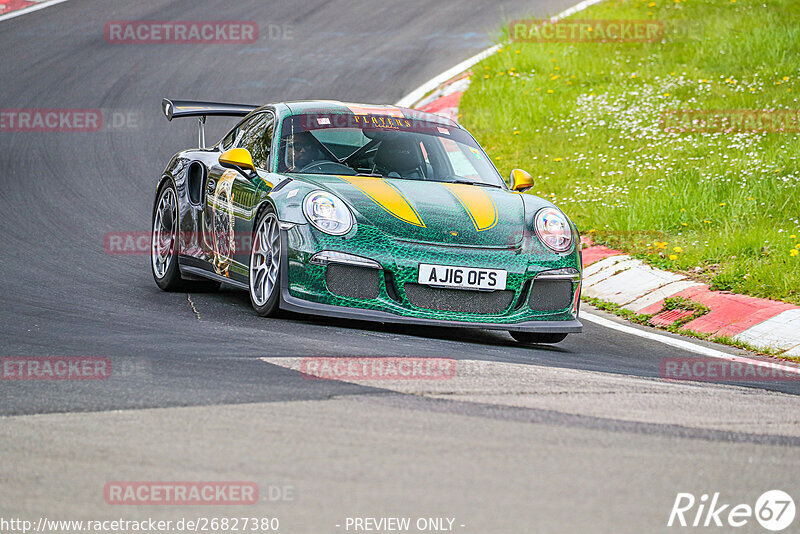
x=228 y=141
x=257 y=138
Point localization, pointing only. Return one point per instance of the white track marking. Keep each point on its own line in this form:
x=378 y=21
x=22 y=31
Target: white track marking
x=416 y=95
x=30 y=9
x=685 y=345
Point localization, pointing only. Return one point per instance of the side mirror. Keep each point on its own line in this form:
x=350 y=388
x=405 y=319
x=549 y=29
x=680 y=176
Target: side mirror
x=520 y=180
x=238 y=159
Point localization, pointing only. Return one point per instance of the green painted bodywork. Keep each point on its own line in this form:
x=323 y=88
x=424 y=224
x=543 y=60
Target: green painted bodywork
x=400 y=247
x=449 y=236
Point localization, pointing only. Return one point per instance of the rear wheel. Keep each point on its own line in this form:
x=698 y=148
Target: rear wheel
x=164 y=245
x=265 y=264
x=532 y=338
x=164 y=240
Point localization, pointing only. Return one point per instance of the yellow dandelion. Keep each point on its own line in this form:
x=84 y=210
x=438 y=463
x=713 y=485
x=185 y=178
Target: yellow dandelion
x=517 y=132
x=722 y=203
x=677 y=249
x=673 y=257
x=549 y=90
x=557 y=159
x=793 y=252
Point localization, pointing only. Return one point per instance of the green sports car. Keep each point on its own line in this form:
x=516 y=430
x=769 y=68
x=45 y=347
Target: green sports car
x=374 y=213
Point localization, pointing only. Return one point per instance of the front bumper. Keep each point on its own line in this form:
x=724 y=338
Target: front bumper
x=304 y=288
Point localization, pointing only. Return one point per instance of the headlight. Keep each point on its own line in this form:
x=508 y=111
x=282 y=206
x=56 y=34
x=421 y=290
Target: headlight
x=327 y=213
x=553 y=229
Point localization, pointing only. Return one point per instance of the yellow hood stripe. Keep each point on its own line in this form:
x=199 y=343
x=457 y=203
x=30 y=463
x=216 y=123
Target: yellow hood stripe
x=387 y=197
x=478 y=204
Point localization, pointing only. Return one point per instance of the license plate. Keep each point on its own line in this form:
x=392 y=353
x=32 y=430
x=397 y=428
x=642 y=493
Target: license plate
x=462 y=277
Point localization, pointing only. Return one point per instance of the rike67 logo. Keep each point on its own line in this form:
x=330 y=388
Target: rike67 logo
x=774 y=510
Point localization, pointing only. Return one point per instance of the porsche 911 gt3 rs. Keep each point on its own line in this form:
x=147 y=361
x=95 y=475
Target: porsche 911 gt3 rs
x=374 y=213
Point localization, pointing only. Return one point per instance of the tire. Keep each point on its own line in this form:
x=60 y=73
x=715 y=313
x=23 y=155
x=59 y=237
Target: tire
x=536 y=338
x=164 y=245
x=264 y=273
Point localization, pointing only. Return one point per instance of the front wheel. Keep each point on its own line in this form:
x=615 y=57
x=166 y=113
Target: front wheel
x=532 y=338
x=265 y=264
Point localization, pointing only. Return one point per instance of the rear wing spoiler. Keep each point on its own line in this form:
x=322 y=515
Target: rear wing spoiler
x=189 y=108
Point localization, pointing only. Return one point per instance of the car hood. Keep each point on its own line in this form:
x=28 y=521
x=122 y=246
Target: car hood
x=431 y=212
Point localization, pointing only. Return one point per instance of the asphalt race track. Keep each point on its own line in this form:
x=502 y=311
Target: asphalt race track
x=579 y=437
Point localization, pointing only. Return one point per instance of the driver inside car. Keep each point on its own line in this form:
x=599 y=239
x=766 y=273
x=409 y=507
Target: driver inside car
x=304 y=150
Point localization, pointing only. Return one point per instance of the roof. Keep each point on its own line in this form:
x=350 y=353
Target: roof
x=305 y=107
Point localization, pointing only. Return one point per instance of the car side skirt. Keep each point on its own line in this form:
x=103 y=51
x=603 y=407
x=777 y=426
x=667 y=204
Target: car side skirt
x=200 y=269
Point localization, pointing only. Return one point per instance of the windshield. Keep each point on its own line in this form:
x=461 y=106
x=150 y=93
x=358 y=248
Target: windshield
x=385 y=146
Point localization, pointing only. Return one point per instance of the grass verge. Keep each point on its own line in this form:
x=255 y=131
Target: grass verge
x=586 y=119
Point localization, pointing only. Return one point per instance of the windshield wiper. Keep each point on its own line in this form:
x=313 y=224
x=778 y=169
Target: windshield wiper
x=470 y=182
x=371 y=175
